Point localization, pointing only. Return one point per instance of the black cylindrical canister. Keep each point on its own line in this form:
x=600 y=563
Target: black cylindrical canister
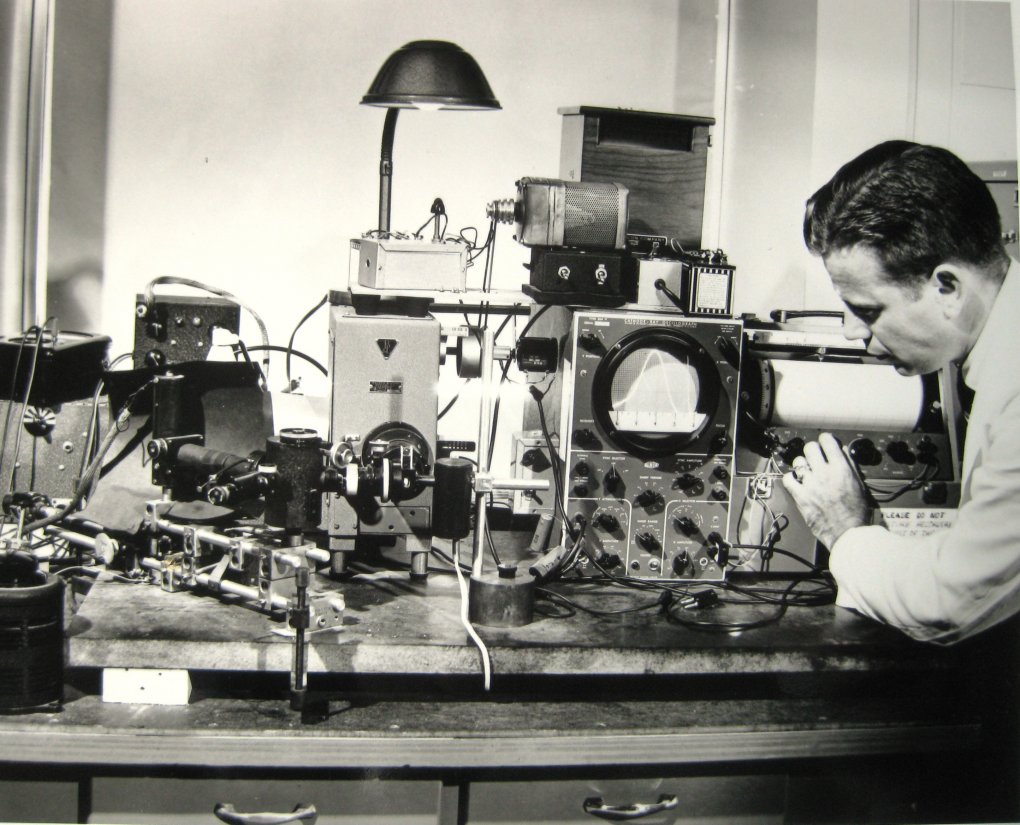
x=294 y=502
x=31 y=634
x=452 y=498
x=168 y=406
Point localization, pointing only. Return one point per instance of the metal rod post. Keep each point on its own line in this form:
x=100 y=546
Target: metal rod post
x=386 y=169
x=485 y=423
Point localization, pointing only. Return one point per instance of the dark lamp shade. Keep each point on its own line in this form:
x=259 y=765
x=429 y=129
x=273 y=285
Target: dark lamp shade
x=431 y=73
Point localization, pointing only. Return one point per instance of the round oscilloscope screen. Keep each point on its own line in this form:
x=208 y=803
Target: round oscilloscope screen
x=655 y=392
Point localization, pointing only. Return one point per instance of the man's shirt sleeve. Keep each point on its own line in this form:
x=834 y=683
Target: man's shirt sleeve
x=956 y=582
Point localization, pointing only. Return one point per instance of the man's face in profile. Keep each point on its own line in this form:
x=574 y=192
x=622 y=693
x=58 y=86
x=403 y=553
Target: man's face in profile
x=902 y=325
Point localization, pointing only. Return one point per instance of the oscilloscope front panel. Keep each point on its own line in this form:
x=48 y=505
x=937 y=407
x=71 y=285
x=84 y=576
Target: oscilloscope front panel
x=649 y=417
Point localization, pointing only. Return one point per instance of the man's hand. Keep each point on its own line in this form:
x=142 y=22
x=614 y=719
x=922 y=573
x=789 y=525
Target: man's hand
x=826 y=488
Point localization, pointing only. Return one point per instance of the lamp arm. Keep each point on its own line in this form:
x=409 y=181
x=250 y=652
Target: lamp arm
x=386 y=168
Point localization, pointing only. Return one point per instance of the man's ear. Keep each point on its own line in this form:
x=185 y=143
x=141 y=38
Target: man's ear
x=951 y=284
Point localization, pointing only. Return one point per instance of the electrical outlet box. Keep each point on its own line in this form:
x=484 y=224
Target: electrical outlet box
x=530 y=460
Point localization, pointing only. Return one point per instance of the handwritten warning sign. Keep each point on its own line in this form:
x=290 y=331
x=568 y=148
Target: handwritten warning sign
x=917 y=521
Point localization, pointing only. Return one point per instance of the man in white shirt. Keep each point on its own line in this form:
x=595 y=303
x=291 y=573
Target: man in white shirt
x=911 y=239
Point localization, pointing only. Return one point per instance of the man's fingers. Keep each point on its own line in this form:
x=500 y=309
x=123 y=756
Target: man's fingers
x=793 y=486
x=830 y=446
x=814 y=455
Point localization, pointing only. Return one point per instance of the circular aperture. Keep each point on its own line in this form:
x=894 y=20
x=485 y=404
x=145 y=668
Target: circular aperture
x=407 y=452
x=655 y=392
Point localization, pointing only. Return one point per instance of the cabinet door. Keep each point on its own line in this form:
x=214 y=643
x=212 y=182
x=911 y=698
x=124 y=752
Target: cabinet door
x=730 y=799
x=38 y=801
x=341 y=802
x=965 y=98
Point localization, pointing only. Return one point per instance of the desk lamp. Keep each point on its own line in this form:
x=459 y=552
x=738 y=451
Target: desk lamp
x=424 y=74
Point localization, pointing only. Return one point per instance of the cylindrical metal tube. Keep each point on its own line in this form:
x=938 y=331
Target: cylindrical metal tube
x=209 y=461
x=419 y=564
x=519 y=484
x=484 y=426
x=69 y=535
x=543 y=530
x=544 y=564
x=207 y=536
x=299 y=621
x=245 y=592
x=318 y=554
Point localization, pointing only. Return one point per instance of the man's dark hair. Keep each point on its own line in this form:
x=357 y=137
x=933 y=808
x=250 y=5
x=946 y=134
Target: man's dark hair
x=914 y=206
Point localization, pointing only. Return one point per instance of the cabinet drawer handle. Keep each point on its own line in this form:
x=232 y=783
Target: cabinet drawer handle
x=301 y=813
x=596 y=807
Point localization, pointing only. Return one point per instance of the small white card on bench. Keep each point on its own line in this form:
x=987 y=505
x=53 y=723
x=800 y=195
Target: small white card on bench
x=146 y=686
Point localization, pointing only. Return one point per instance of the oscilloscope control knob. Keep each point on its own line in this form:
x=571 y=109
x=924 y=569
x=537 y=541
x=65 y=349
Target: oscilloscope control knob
x=719 y=493
x=792 y=449
x=648 y=541
x=900 y=452
x=721 y=473
x=680 y=562
x=686 y=525
x=585 y=438
x=691 y=484
x=582 y=469
x=607 y=522
x=927 y=451
x=864 y=451
x=729 y=350
x=591 y=342
x=935 y=492
x=649 y=499
x=718 y=551
x=719 y=442
x=611 y=480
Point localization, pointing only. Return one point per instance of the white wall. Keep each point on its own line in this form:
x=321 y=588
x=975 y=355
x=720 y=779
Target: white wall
x=973 y=107
x=78 y=163
x=12 y=196
x=767 y=146
x=238 y=153
x=23 y=65
x=863 y=95
x=812 y=83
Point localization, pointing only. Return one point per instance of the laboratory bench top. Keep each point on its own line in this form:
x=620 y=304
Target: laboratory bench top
x=812 y=706
x=399 y=685
x=395 y=625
